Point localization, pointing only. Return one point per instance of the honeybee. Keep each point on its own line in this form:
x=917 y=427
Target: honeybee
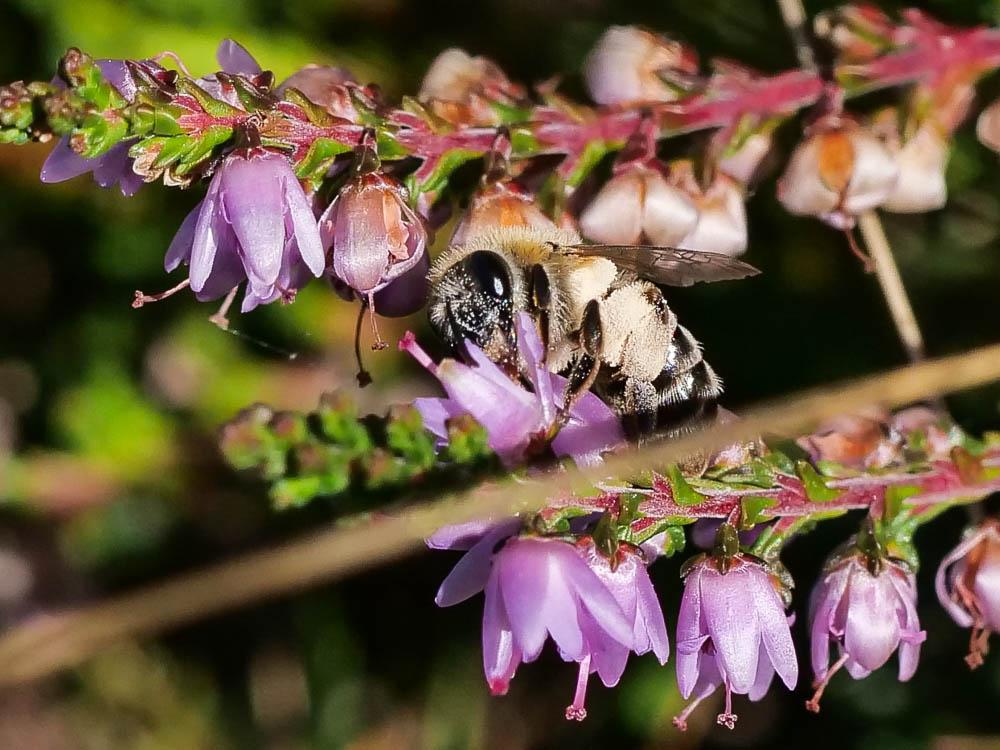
x=600 y=311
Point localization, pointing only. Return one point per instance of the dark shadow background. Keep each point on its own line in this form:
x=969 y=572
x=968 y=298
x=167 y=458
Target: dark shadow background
x=109 y=476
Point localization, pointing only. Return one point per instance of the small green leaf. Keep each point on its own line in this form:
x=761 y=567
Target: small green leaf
x=753 y=510
x=895 y=496
x=816 y=489
x=446 y=164
x=592 y=154
x=682 y=492
x=674 y=540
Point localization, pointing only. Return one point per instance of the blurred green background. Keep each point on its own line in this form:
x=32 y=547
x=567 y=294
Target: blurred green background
x=109 y=475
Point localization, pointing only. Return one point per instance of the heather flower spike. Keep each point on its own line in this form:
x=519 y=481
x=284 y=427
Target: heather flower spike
x=866 y=605
x=517 y=420
x=968 y=587
x=732 y=630
x=254 y=225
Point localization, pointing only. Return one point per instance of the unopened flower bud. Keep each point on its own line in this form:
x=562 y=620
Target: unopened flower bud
x=375 y=236
x=742 y=162
x=639 y=206
x=323 y=85
x=921 y=161
x=460 y=88
x=859 y=441
x=838 y=172
x=628 y=66
x=499 y=205
x=722 y=218
x=988 y=126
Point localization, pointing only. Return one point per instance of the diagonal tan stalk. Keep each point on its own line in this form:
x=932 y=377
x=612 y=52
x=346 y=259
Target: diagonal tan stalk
x=51 y=642
x=886 y=270
x=892 y=285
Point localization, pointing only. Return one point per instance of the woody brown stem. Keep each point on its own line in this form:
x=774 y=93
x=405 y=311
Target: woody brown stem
x=891 y=282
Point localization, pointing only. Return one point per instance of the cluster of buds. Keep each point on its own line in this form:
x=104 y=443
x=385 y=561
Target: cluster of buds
x=647 y=201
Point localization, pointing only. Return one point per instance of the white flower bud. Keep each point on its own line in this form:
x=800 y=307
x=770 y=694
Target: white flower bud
x=624 y=67
x=636 y=206
x=921 y=161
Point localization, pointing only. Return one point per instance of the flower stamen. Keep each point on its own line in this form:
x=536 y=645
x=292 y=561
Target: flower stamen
x=577 y=711
x=820 y=685
x=727 y=718
x=220 y=317
x=141 y=298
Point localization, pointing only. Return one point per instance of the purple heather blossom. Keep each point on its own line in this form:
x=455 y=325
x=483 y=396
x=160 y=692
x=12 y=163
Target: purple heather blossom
x=868 y=611
x=114 y=166
x=255 y=224
x=376 y=237
x=513 y=416
x=732 y=630
x=968 y=587
x=595 y=612
x=628 y=581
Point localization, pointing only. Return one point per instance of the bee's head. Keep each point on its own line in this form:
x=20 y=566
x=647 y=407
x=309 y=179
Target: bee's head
x=474 y=297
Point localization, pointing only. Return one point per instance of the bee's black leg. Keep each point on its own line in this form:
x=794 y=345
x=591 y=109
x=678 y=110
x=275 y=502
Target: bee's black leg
x=540 y=299
x=592 y=342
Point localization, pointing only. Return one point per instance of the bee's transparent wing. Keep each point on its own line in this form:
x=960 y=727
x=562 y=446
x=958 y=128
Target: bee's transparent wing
x=668 y=265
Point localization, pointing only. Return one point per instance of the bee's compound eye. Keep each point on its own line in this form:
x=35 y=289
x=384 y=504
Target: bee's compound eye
x=490 y=273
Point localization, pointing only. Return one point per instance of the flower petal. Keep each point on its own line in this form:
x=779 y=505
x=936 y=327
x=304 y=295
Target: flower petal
x=305 y=228
x=615 y=215
x=765 y=675
x=599 y=601
x=211 y=224
x=524 y=571
x=464 y=536
x=774 y=631
x=234 y=59
x=501 y=655
x=825 y=599
x=470 y=574
x=650 y=626
x=63 y=163
x=944 y=580
x=871 y=628
x=180 y=246
x=690 y=634
x=669 y=215
x=253 y=196
x=731 y=616
x=435 y=412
